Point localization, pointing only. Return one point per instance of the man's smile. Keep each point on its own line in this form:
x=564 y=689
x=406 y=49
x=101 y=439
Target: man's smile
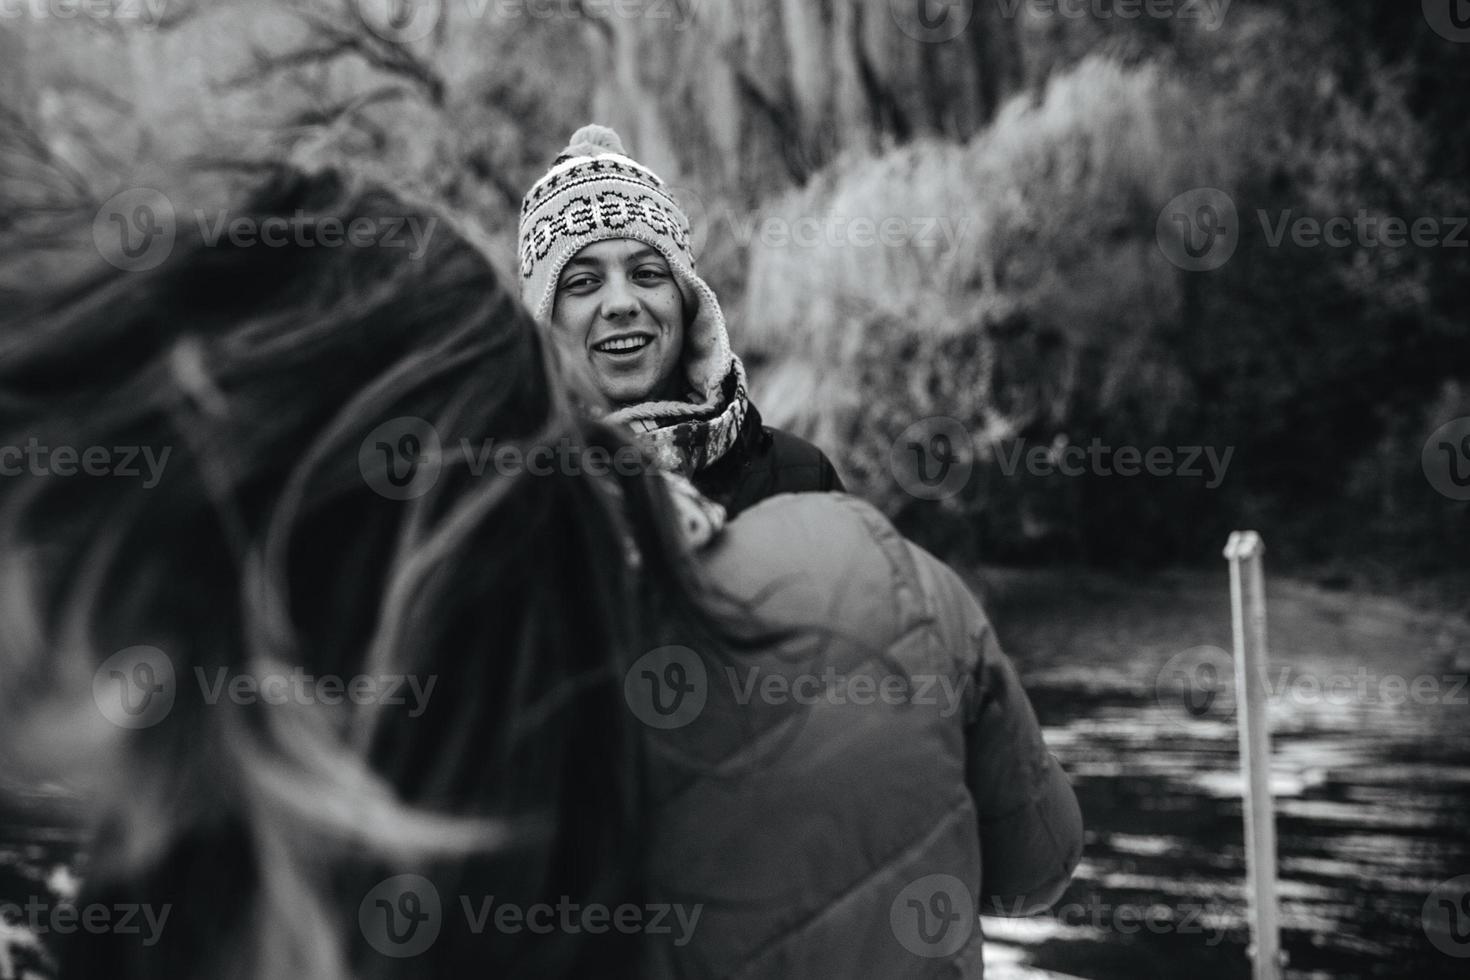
x=623 y=345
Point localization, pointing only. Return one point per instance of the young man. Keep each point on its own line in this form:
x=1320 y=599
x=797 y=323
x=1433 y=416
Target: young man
x=606 y=265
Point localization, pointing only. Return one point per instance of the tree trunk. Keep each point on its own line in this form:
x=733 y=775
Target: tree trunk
x=734 y=90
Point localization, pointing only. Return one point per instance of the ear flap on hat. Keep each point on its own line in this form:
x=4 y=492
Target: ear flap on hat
x=707 y=353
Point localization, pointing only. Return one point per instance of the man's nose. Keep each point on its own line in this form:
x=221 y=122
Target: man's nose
x=619 y=303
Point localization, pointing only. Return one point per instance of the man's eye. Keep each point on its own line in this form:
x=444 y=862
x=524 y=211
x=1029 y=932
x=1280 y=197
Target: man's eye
x=578 y=282
x=650 y=274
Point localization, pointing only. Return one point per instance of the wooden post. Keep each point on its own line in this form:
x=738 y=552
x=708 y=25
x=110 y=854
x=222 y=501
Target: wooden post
x=1248 y=616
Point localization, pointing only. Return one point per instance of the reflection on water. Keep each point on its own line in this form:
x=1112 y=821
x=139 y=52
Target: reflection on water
x=1373 y=803
x=1373 y=811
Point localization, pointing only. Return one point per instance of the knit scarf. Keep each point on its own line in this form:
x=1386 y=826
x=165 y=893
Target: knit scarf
x=700 y=519
x=685 y=437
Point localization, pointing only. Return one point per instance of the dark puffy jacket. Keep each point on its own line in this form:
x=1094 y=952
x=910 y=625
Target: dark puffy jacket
x=802 y=824
x=763 y=463
x=855 y=789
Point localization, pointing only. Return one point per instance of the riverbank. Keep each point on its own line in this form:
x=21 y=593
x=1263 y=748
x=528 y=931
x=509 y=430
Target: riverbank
x=1052 y=620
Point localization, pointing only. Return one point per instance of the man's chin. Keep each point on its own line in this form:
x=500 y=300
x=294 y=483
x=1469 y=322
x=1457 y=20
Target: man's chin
x=635 y=389
x=624 y=394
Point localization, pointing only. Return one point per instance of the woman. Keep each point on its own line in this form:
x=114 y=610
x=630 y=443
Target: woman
x=607 y=263
x=614 y=766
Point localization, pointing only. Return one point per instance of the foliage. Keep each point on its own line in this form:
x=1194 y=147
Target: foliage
x=1056 y=319
x=1026 y=164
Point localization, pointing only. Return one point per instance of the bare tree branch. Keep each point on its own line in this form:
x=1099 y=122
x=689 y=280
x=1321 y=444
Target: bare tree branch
x=23 y=142
x=380 y=53
x=267 y=64
x=348 y=110
x=793 y=151
x=332 y=39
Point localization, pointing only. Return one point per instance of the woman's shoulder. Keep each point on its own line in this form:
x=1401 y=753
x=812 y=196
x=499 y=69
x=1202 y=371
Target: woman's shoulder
x=799 y=529
x=826 y=556
x=834 y=558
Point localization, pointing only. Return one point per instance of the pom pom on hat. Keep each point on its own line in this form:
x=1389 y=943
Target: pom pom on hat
x=593 y=139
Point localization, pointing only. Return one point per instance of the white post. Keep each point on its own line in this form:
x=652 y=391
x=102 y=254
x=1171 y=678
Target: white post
x=1248 y=615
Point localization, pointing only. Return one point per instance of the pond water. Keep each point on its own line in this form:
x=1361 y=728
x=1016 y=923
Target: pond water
x=1373 y=812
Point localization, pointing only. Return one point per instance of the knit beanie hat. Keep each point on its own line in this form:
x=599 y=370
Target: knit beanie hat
x=593 y=192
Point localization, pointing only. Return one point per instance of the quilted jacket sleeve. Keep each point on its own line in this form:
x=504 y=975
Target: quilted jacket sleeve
x=1030 y=823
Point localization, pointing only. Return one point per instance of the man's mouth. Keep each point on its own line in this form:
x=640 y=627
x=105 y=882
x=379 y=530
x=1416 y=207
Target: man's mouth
x=626 y=344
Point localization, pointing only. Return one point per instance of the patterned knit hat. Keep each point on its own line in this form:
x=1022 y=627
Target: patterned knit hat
x=593 y=192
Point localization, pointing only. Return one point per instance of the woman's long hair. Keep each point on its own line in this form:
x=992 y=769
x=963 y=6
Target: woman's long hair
x=221 y=486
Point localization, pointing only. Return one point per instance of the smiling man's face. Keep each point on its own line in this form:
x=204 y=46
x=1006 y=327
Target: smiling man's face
x=617 y=301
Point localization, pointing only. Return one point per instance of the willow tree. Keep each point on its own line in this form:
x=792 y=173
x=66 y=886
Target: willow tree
x=747 y=97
